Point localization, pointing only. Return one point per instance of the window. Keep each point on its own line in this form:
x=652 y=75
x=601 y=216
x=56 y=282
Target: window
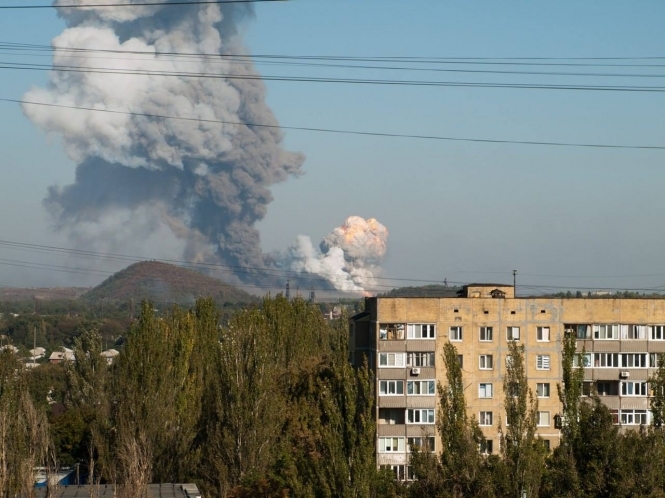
x=391 y=387
x=655 y=359
x=485 y=362
x=546 y=444
x=420 y=416
x=581 y=331
x=485 y=418
x=543 y=362
x=397 y=470
x=634 y=417
x=420 y=387
x=421 y=443
x=486 y=447
x=584 y=359
x=513 y=334
x=586 y=388
x=391 y=416
x=486 y=334
x=391 y=445
x=607 y=388
x=513 y=389
x=391 y=331
x=603 y=332
x=606 y=360
x=633 y=332
x=391 y=360
x=657 y=332
x=421 y=331
x=615 y=416
x=485 y=390
x=543 y=334
x=509 y=360
x=420 y=359
x=634 y=389
x=460 y=360
x=455 y=334
x=543 y=389
x=543 y=419
x=634 y=360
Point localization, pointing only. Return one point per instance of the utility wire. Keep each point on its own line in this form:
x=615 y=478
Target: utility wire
x=383 y=59
x=139 y=4
x=290 y=63
x=275 y=272
x=354 y=81
x=285 y=273
x=348 y=132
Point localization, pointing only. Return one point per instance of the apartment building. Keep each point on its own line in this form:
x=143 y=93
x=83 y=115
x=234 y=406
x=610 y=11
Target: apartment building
x=403 y=338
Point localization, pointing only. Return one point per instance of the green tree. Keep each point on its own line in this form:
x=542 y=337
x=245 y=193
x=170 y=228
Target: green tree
x=461 y=470
x=157 y=392
x=23 y=430
x=561 y=478
x=522 y=451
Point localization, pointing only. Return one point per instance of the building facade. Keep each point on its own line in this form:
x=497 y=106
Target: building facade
x=402 y=340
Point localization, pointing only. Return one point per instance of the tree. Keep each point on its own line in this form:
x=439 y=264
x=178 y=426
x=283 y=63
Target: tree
x=461 y=470
x=522 y=451
x=657 y=384
x=23 y=430
x=561 y=478
x=146 y=421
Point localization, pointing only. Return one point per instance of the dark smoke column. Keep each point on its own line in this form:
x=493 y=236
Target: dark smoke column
x=196 y=187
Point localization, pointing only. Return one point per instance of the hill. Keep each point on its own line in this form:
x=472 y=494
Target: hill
x=164 y=283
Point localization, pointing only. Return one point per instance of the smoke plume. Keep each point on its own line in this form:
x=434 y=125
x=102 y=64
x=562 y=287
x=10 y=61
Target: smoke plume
x=348 y=257
x=187 y=188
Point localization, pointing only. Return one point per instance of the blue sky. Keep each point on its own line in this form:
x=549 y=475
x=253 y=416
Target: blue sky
x=468 y=212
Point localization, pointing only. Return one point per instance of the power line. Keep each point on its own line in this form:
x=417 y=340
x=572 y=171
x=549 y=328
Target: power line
x=347 y=132
x=353 y=81
x=295 y=61
x=235 y=269
x=383 y=59
x=277 y=272
x=140 y=4
x=290 y=63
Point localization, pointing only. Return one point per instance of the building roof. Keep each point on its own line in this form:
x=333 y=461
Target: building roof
x=108 y=491
x=488 y=285
x=360 y=315
x=65 y=354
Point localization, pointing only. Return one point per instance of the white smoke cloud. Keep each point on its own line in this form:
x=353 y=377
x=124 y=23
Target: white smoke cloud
x=211 y=181
x=174 y=188
x=348 y=257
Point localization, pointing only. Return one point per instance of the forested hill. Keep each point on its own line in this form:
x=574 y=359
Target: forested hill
x=164 y=283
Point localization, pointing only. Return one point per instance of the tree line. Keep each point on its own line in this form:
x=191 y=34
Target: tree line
x=266 y=404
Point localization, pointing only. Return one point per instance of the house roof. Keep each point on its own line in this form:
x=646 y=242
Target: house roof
x=108 y=491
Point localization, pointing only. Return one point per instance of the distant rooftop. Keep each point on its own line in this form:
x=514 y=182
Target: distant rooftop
x=480 y=290
x=109 y=491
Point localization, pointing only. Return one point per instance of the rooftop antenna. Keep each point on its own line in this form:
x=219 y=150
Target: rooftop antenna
x=515 y=282
x=312 y=295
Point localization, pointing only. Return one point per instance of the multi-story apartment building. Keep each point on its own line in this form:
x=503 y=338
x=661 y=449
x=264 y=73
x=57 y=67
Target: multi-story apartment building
x=403 y=338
